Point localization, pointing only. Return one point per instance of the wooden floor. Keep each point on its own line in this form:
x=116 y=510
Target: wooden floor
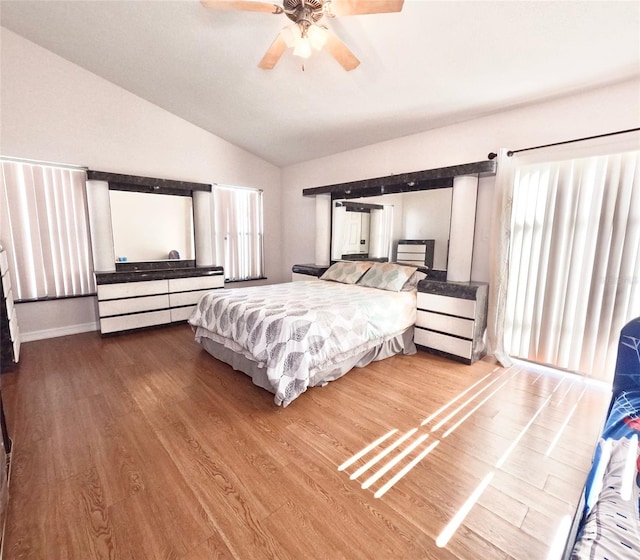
x=143 y=446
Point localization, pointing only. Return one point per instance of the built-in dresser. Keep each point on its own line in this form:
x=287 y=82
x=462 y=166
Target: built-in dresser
x=452 y=319
x=134 y=299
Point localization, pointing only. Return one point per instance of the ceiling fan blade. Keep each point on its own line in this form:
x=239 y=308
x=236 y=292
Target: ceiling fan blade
x=358 y=7
x=341 y=52
x=273 y=54
x=242 y=5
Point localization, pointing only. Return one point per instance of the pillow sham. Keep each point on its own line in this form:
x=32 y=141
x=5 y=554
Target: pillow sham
x=412 y=283
x=387 y=276
x=347 y=272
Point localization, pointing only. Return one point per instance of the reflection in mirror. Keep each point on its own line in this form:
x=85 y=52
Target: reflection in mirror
x=151 y=226
x=419 y=215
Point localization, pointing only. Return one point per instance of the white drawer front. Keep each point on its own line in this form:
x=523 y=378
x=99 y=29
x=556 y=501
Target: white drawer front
x=409 y=260
x=133 y=305
x=186 y=298
x=132 y=289
x=125 y=322
x=422 y=249
x=6 y=283
x=13 y=327
x=181 y=313
x=444 y=343
x=4 y=263
x=196 y=283
x=445 y=324
x=16 y=348
x=449 y=305
x=10 y=307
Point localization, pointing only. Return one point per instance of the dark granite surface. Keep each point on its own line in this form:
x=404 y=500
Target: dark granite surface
x=406 y=182
x=141 y=276
x=462 y=290
x=316 y=270
x=169 y=264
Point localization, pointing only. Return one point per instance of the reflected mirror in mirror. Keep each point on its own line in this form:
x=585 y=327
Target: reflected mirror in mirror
x=419 y=215
x=150 y=226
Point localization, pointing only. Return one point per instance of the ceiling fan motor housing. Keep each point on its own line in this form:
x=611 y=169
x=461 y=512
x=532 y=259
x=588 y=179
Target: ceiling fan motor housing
x=304 y=12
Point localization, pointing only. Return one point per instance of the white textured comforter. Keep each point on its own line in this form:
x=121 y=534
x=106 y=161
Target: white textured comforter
x=298 y=328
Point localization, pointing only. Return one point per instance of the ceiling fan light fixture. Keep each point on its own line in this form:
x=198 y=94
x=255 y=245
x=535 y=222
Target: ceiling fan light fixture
x=290 y=34
x=302 y=48
x=317 y=36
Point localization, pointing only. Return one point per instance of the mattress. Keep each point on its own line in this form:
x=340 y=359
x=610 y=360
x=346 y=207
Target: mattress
x=298 y=330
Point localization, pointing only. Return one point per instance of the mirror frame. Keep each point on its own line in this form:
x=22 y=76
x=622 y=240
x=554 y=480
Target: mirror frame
x=150 y=185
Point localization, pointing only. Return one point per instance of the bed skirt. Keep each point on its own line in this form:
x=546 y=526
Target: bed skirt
x=399 y=344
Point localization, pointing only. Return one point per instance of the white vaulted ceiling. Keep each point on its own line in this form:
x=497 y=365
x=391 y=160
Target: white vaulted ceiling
x=434 y=63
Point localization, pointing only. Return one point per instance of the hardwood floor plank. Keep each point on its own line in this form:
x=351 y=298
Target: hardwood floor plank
x=143 y=446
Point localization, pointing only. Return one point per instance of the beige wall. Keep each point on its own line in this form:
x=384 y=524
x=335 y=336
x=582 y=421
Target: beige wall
x=53 y=110
x=599 y=111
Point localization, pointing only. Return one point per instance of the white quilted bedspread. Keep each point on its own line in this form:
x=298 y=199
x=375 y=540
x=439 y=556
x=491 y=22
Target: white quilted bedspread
x=298 y=328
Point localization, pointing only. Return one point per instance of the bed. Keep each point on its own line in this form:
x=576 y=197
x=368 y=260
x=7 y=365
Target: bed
x=288 y=337
x=608 y=521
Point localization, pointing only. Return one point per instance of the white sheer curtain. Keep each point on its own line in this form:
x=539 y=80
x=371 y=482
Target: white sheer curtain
x=238 y=232
x=381 y=228
x=499 y=256
x=566 y=255
x=44 y=224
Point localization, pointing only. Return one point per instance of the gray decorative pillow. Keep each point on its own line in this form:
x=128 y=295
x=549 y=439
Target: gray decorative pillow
x=387 y=276
x=412 y=283
x=347 y=272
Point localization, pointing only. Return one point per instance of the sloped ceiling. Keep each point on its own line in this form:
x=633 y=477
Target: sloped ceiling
x=434 y=63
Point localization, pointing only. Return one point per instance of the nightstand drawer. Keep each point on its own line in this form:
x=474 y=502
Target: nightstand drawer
x=196 y=283
x=445 y=323
x=444 y=343
x=445 y=304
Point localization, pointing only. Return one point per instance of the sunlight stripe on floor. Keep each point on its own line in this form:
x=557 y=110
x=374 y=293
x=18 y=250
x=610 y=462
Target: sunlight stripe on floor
x=475 y=408
x=388 y=466
x=458 y=518
x=366 y=450
x=564 y=424
x=443 y=408
x=382 y=454
x=477 y=394
x=383 y=489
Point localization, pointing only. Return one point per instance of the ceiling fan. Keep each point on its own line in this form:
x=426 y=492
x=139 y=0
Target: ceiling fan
x=306 y=33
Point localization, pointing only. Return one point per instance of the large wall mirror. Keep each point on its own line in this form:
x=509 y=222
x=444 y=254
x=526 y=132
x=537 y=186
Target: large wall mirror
x=151 y=226
x=372 y=227
x=146 y=223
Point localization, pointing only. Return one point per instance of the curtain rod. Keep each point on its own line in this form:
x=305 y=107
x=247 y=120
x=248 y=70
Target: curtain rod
x=493 y=155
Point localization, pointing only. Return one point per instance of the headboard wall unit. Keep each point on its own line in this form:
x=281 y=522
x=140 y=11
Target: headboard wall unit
x=462 y=179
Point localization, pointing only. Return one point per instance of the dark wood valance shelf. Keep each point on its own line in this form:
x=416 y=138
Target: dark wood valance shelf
x=135 y=183
x=405 y=182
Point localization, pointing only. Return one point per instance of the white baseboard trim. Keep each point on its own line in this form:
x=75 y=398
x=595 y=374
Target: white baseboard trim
x=60 y=331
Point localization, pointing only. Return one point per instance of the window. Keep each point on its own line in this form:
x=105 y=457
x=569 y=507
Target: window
x=575 y=261
x=44 y=225
x=238 y=232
